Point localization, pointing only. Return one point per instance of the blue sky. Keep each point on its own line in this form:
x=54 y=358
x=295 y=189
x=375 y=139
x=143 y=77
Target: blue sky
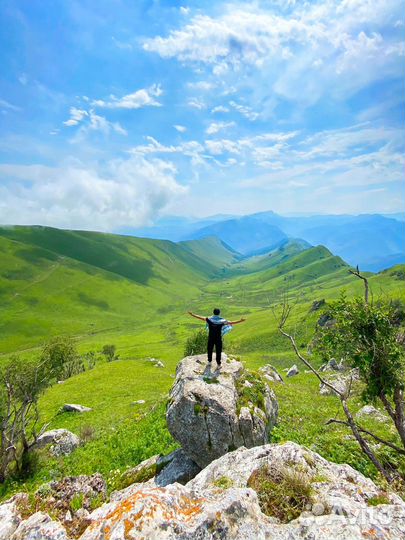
x=116 y=112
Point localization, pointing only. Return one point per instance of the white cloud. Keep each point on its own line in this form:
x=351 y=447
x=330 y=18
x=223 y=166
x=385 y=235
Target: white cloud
x=179 y=128
x=309 y=50
x=215 y=127
x=90 y=121
x=201 y=85
x=244 y=111
x=125 y=192
x=196 y=104
x=141 y=98
x=220 y=109
x=76 y=116
x=6 y=105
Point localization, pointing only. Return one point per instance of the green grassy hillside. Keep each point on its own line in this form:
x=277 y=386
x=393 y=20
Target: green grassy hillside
x=134 y=293
x=54 y=281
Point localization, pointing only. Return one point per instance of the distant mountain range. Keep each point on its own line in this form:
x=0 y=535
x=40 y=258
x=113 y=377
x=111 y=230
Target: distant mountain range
x=371 y=241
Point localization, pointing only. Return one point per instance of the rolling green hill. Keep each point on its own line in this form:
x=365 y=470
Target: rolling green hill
x=134 y=293
x=54 y=281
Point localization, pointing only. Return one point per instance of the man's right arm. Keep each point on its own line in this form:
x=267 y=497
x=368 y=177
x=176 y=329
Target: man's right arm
x=197 y=316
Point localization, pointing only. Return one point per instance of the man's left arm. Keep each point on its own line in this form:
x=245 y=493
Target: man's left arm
x=237 y=322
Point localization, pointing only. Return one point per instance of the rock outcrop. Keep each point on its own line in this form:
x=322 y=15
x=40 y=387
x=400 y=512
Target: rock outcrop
x=39 y=526
x=9 y=519
x=218 y=503
x=212 y=413
x=63 y=441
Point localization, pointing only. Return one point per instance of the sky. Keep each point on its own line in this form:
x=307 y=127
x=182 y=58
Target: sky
x=114 y=113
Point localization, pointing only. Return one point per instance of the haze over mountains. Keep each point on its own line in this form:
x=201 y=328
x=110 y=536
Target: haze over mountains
x=372 y=241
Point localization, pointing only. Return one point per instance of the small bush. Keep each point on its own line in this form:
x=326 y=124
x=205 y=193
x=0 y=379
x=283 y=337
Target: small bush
x=87 y=433
x=196 y=344
x=109 y=352
x=283 y=492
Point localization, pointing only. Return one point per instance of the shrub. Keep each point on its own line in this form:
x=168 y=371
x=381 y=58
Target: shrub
x=21 y=384
x=61 y=358
x=109 y=352
x=196 y=344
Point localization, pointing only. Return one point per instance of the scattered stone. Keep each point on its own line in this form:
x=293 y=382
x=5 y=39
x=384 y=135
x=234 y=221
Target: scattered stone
x=317 y=304
x=40 y=526
x=57 y=496
x=293 y=371
x=138 y=402
x=181 y=469
x=143 y=472
x=369 y=410
x=9 y=519
x=73 y=407
x=159 y=364
x=68 y=516
x=326 y=321
x=343 y=383
x=63 y=441
x=82 y=514
x=209 y=416
x=270 y=373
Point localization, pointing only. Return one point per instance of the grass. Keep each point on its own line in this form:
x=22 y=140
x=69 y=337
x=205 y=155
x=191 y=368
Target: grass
x=283 y=491
x=49 y=285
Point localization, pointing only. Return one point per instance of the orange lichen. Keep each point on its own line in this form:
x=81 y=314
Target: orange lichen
x=150 y=502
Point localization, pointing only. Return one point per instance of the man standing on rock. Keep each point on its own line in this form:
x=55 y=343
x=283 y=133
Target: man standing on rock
x=217 y=328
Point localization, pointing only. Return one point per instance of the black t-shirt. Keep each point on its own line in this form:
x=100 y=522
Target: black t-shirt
x=214 y=329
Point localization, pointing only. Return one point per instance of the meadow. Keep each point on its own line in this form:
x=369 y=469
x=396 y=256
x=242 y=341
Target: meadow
x=134 y=293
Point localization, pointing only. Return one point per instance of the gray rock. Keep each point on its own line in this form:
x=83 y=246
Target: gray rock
x=181 y=469
x=39 y=526
x=292 y=371
x=177 y=513
x=63 y=441
x=73 y=407
x=206 y=414
x=159 y=364
x=370 y=411
x=202 y=510
x=9 y=519
x=58 y=495
x=270 y=373
x=142 y=472
x=138 y=402
x=342 y=383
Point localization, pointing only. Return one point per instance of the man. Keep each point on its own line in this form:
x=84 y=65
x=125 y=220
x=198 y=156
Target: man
x=217 y=328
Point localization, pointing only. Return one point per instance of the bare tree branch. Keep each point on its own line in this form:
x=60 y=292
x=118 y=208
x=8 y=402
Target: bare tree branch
x=365 y=280
x=382 y=441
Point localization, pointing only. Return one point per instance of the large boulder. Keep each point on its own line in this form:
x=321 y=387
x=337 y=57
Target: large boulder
x=219 y=503
x=9 y=519
x=177 y=513
x=210 y=414
x=63 y=441
x=39 y=526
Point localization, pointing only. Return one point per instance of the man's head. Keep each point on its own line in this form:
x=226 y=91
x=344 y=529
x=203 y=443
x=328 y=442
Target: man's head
x=217 y=311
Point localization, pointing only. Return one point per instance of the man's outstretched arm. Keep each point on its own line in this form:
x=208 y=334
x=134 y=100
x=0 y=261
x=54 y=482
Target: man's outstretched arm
x=237 y=322
x=196 y=316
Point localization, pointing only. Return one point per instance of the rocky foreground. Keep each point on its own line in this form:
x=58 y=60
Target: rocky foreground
x=265 y=492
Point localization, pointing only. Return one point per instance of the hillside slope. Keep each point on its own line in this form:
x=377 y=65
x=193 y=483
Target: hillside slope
x=54 y=281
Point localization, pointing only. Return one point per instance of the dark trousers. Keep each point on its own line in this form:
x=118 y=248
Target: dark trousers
x=217 y=342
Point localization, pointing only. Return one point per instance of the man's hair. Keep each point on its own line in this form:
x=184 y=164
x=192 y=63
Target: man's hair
x=217 y=311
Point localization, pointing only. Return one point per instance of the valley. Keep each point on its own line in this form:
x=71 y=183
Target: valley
x=132 y=292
